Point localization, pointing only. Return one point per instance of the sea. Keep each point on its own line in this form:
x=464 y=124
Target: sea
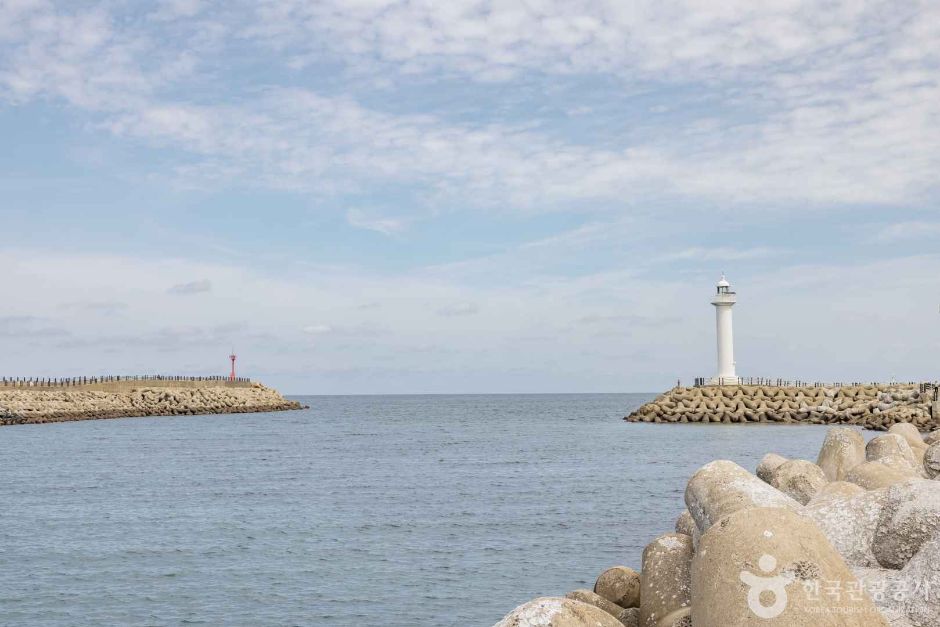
x=361 y=510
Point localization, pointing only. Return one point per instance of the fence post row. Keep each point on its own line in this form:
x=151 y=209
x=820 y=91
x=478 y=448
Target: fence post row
x=923 y=387
x=47 y=382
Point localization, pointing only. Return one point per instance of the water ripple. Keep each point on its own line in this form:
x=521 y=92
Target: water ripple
x=408 y=510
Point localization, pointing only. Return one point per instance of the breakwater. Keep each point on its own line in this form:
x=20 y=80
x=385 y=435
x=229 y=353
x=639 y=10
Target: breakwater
x=124 y=398
x=876 y=406
x=851 y=540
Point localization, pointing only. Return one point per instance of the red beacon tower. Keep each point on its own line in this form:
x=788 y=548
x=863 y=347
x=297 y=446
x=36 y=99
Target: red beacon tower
x=232 y=357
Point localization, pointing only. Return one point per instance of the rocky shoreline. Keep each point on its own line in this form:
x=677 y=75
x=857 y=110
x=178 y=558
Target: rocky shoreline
x=30 y=406
x=852 y=539
x=870 y=406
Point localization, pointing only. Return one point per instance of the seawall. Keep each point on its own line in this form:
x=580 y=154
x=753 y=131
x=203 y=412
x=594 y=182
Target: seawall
x=125 y=399
x=870 y=406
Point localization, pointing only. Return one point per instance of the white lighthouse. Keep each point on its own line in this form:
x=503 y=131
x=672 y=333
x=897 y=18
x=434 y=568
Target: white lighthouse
x=724 y=300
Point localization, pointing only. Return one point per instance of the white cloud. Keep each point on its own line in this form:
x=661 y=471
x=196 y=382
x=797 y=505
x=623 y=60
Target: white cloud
x=176 y=9
x=317 y=329
x=780 y=325
x=910 y=230
x=720 y=253
x=496 y=40
x=191 y=287
x=104 y=308
x=842 y=103
x=29 y=328
x=791 y=106
x=298 y=139
x=359 y=219
x=81 y=56
x=827 y=107
x=458 y=309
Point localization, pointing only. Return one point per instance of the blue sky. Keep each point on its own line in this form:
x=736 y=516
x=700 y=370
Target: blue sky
x=376 y=196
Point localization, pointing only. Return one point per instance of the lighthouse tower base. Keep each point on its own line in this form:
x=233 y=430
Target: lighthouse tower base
x=723 y=381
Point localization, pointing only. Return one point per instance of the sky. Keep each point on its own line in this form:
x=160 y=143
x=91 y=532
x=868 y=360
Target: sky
x=403 y=196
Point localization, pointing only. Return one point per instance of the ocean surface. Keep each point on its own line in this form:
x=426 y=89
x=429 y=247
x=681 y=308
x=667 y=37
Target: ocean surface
x=369 y=510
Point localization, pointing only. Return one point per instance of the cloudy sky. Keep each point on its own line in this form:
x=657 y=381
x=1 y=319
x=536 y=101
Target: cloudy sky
x=383 y=196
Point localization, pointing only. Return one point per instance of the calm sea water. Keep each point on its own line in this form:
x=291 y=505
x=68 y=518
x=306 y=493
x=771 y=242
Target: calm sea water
x=395 y=510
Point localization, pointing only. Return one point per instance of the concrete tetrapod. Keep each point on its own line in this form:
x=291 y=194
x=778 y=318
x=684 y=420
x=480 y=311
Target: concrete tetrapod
x=620 y=585
x=910 y=433
x=686 y=524
x=799 y=479
x=909 y=518
x=891 y=445
x=761 y=567
x=922 y=605
x=665 y=582
x=835 y=490
x=679 y=618
x=768 y=464
x=842 y=450
x=558 y=612
x=626 y=616
x=910 y=593
x=932 y=461
x=849 y=524
x=875 y=475
x=721 y=488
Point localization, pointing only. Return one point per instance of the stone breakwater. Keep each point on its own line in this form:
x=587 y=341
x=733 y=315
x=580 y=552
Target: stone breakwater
x=26 y=406
x=852 y=539
x=871 y=406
